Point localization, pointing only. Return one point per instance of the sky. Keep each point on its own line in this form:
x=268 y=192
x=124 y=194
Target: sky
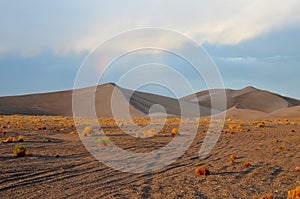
x=253 y=43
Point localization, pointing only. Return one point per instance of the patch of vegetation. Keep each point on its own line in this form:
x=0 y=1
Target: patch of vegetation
x=240 y=128
x=261 y=125
x=247 y=164
x=74 y=133
x=20 y=138
x=281 y=147
x=232 y=158
x=202 y=171
x=104 y=142
x=232 y=127
x=87 y=131
x=19 y=151
x=294 y=194
x=8 y=140
x=150 y=133
x=174 y=132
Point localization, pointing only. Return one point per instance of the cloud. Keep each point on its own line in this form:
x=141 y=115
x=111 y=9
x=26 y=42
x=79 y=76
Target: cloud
x=63 y=27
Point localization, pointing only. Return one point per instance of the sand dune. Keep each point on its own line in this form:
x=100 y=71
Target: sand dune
x=60 y=103
x=247 y=98
x=247 y=103
x=244 y=114
x=286 y=113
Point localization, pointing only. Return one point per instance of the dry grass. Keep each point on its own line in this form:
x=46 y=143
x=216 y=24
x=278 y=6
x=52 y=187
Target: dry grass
x=202 y=171
x=150 y=133
x=104 y=142
x=247 y=164
x=232 y=158
x=19 y=151
x=74 y=133
x=20 y=138
x=8 y=140
x=294 y=194
x=174 y=132
x=261 y=125
x=87 y=131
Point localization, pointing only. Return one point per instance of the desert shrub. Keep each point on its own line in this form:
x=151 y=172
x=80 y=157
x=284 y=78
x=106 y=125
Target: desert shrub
x=20 y=138
x=74 y=133
x=281 y=147
x=151 y=133
x=202 y=171
x=261 y=124
x=240 y=128
x=232 y=158
x=232 y=127
x=247 y=164
x=19 y=151
x=104 y=142
x=137 y=134
x=294 y=194
x=8 y=140
x=87 y=131
x=286 y=122
x=174 y=131
x=206 y=120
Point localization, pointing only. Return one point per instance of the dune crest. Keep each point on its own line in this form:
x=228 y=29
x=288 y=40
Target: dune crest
x=247 y=103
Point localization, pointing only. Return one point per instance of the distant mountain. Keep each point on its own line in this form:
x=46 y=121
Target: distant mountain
x=247 y=103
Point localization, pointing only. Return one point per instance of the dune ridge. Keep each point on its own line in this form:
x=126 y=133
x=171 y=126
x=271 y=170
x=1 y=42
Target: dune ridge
x=247 y=103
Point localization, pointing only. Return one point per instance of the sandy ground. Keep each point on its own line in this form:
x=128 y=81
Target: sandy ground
x=62 y=168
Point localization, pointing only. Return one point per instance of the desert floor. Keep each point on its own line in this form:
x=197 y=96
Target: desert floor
x=59 y=166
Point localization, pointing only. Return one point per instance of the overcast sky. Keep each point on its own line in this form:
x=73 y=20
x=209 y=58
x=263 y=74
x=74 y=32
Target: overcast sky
x=253 y=43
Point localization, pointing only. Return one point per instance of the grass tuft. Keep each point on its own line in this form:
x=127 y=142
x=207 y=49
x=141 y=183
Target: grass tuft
x=294 y=194
x=202 y=171
x=104 y=142
x=232 y=158
x=19 y=151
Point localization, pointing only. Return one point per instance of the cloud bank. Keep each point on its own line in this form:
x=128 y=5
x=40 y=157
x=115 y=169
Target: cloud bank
x=32 y=27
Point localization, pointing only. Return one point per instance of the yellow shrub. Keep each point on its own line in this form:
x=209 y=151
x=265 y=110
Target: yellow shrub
x=20 y=138
x=261 y=124
x=232 y=127
x=19 y=151
x=87 y=131
x=151 y=133
x=294 y=194
x=174 y=131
